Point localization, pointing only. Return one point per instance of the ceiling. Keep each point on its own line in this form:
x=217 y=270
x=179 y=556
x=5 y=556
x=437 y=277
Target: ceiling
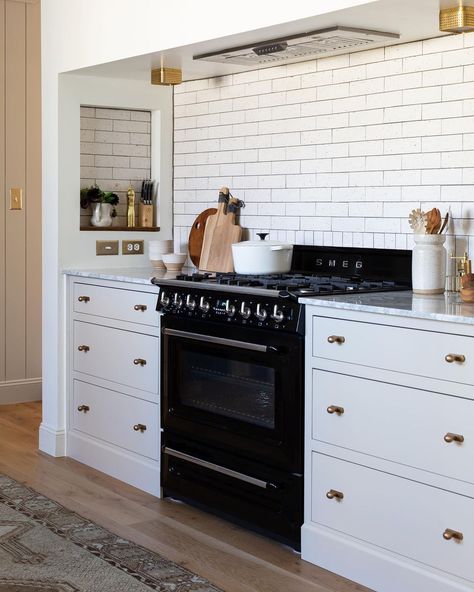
x=411 y=19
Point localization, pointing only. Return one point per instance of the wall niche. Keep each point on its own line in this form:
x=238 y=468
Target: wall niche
x=115 y=154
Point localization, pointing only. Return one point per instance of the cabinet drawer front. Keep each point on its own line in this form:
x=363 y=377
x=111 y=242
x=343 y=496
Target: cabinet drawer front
x=112 y=417
x=116 y=355
x=394 y=348
x=114 y=303
x=397 y=423
x=402 y=516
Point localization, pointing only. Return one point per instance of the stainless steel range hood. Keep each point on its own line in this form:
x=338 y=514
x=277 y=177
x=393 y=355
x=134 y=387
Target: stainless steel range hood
x=305 y=46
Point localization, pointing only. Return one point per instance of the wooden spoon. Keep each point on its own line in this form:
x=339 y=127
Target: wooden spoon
x=434 y=221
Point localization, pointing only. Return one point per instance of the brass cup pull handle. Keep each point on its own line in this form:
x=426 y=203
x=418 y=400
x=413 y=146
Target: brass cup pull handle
x=450 y=534
x=450 y=358
x=84 y=408
x=84 y=299
x=84 y=348
x=141 y=307
x=334 y=494
x=139 y=427
x=450 y=437
x=139 y=362
x=335 y=409
x=336 y=339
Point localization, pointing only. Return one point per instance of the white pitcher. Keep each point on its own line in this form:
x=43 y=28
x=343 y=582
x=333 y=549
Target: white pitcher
x=102 y=214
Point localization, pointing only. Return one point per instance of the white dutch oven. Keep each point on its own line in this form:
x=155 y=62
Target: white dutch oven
x=262 y=257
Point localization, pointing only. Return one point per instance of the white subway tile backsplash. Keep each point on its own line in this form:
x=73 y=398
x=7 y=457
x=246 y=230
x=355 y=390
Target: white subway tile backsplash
x=404 y=81
x=443 y=76
x=383 y=131
x=335 y=151
x=332 y=150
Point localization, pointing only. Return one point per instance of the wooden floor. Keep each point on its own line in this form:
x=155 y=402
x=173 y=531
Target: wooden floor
x=230 y=557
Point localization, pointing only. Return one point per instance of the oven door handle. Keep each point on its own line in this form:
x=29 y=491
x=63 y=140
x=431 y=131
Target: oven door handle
x=221 y=341
x=223 y=470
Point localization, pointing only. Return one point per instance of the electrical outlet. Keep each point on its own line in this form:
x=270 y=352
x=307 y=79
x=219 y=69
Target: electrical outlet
x=103 y=247
x=133 y=247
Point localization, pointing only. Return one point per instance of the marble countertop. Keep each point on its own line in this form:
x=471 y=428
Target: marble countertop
x=133 y=275
x=445 y=307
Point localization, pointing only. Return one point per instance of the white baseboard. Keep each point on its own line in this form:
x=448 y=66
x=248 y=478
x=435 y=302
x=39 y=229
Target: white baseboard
x=371 y=566
x=131 y=468
x=20 y=391
x=51 y=441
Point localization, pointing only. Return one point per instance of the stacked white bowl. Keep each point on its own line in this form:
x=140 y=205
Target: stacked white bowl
x=156 y=250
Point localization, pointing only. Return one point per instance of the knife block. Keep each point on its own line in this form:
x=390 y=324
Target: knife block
x=145 y=215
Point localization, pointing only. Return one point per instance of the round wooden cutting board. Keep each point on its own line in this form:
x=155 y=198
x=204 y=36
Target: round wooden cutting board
x=196 y=235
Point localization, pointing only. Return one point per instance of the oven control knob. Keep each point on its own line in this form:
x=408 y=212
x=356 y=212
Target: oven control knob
x=164 y=300
x=245 y=311
x=229 y=308
x=260 y=313
x=204 y=305
x=177 y=301
x=190 y=302
x=277 y=314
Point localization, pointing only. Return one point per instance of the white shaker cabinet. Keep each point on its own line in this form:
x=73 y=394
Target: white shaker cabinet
x=113 y=406
x=389 y=450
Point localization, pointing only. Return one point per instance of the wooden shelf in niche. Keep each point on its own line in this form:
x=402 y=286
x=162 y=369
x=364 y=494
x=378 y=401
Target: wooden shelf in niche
x=122 y=228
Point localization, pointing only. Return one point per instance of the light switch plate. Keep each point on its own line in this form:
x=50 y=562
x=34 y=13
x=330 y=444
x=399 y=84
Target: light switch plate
x=133 y=247
x=16 y=198
x=103 y=247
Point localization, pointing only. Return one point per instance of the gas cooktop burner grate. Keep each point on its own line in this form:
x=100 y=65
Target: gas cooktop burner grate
x=294 y=284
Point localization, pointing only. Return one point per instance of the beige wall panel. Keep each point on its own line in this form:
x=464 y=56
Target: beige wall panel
x=15 y=235
x=33 y=192
x=2 y=190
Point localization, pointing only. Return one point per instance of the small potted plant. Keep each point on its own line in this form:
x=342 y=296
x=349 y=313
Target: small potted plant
x=102 y=202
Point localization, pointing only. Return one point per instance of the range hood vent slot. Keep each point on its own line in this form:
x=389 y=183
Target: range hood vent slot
x=305 y=46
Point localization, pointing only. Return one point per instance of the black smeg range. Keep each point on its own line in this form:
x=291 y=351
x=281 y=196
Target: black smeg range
x=232 y=381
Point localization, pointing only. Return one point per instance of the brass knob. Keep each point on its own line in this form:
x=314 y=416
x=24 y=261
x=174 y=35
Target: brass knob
x=139 y=427
x=141 y=307
x=84 y=408
x=333 y=494
x=84 y=348
x=335 y=409
x=450 y=358
x=450 y=437
x=336 y=339
x=139 y=362
x=84 y=299
x=449 y=534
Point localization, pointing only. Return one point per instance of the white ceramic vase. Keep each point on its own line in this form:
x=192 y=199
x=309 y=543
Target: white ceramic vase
x=102 y=214
x=429 y=264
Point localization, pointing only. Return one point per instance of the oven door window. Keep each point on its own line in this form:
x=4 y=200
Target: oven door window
x=232 y=386
x=226 y=386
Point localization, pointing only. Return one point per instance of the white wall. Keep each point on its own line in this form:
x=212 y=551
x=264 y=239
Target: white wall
x=335 y=151
x=78 y=247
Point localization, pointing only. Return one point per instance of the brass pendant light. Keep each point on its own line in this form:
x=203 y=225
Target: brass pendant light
x=166 y=76
x=458 y=19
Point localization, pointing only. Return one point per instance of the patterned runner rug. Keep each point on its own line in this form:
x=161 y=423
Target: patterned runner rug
x=46 y=548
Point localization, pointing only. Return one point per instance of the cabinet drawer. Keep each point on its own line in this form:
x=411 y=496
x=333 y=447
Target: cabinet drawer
x=114 y=303
x=127 y=413
x=395 y=348
x=116 y=355
x=397 y=423
x=402 y=516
